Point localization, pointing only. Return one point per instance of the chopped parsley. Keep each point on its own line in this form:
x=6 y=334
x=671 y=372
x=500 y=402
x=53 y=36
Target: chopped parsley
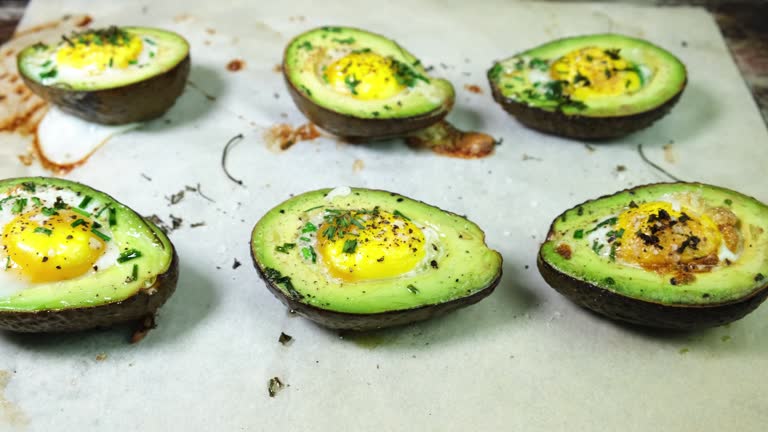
x=495 y=71
x=277 y=278
x=36 y=201
x=51 y=73
x=77 y=223
x=28 y=186
x=397 y=213
x=128 y=255
x=579 y=233
x=312 y=208
x=540 y=64
x=405 y=75
x=305 y=45
x=18 y=205
x=309 y=254
x=613 y=53
x=308 y=228
x=81 y=212
x=332 y=29
x=112 y=217
x=352 y=83
x=609 y=221
x=48 y=211
x=412 y=289
x=597 y=247
x=728 y=201
x=285 y=247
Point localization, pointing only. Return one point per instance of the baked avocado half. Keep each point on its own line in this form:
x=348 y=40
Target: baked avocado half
x=361 y=85
x=115 y=75
x=589 y=87
x=74 y=258
x=361 y=259
x=669 y=255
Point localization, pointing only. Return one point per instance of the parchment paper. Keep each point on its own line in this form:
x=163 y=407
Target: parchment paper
x=524 y=359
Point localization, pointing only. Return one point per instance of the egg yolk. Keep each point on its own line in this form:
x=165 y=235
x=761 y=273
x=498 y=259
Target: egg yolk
x=364 y=76
x=385 y=246
x=48 y=249
x=99 y=50
x=656 y=236
x=591 y=72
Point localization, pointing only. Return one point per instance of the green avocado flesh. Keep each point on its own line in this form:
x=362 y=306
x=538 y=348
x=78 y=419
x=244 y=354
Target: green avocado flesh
x=585 y=244
x=309 y=54
x=458 y=263
x=161 y=51
x=644 y=76
x=135 y=253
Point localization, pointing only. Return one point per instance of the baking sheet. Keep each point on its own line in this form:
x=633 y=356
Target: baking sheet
x=523 y=359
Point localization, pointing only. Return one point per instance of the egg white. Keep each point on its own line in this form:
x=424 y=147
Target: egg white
x=11 y=281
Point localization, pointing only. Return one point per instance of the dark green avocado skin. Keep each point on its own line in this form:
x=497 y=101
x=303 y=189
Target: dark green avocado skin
x=357 y=129
x=644 y=313
x=141 y=101
x=367 y=322
x=133 y=309
x=581 y=127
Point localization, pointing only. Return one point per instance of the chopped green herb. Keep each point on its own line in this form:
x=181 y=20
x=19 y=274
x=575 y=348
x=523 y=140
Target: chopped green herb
x=48 y=211
x=495 y=71
x=151 y=54
x=332 y=29
x=104 y=237
x=728 y=201
x=352 y=83
x=308 y=228
x=405 y=75
x=135 y=273
x=81 y=212
x=59 y=204
x=579 y=233
x=397 y=213
x=77 y=223
x=133 y=62
x=305 y=45
x=111 y=61
x=42 y=230
x=149 y=41
x=306 y=90
x=612 y=254
x=349 y=246
x=112 y=217
x=102 y=210
x=128 y=255
x=540 y=64
x=613 y=53
x=49 y=73
x=18 y=205
x=597 y=247
x=313 y=208
x=309 y=254
x=36 y=201
x=609 y=221
x=345 y=41
x=285 y=247
x=412 y=289
x=86 y=200
x=609 y=281
x=277 y=278
x=306 y=239
x=28 y=186
x=7 y=263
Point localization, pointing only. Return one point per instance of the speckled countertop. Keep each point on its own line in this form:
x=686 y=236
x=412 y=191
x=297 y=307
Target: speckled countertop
x=742 y=23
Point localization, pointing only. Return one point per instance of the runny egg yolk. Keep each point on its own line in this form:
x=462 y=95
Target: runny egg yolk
x=100 y=51
x=656 y=236
x=48 y=249
x=386 y=246
x=592 y=71
x=364 y=76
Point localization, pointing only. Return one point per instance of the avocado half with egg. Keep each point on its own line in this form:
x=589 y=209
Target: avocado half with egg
x=589 y=87
x=361 y=259
x=74 y=258
x=112 y=76
x=361 y=85
x=668 y=255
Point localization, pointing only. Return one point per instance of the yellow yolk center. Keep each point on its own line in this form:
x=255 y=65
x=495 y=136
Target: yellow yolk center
x=656 y=236
x=385 y=247
x=364 y=76
x=99 y=51
x=591 y=72
x=51 y=249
